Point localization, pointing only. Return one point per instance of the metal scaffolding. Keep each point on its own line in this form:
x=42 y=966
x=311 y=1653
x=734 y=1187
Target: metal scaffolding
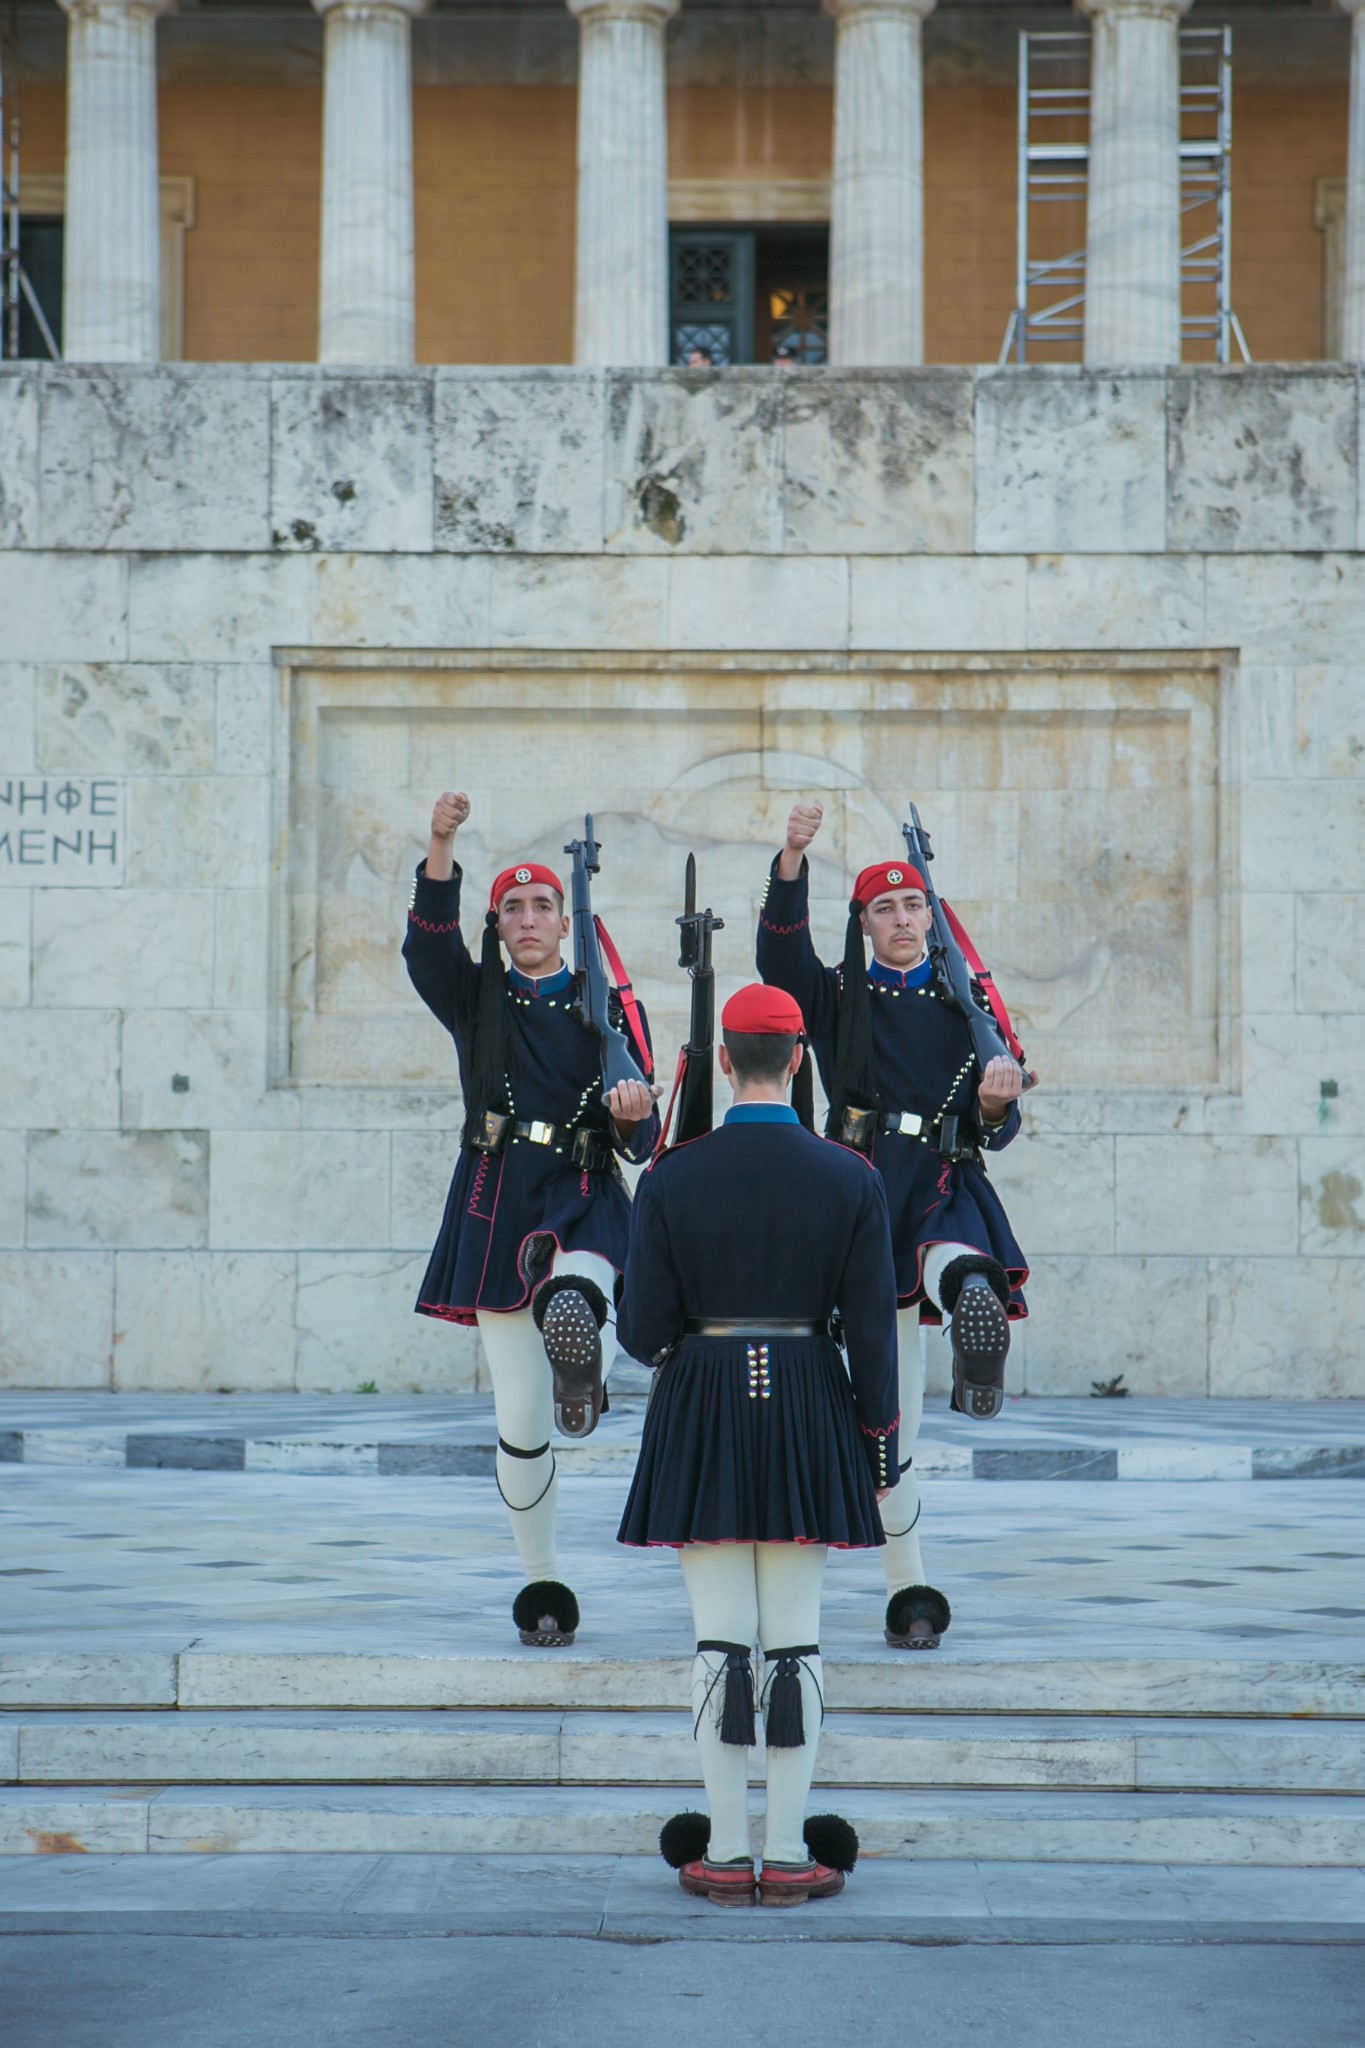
x=1053 y=172
x=15 y=286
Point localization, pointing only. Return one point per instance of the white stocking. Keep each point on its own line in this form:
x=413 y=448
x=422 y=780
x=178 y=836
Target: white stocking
x=721 y=1587
x=790 y=1577
x=900 y=1511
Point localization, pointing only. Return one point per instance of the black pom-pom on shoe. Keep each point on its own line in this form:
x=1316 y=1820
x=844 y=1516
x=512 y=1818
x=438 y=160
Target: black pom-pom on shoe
x=917 y=1618
x=546 y=1614
x=958 y=1271
x=832 y=1841
x=684 y=1838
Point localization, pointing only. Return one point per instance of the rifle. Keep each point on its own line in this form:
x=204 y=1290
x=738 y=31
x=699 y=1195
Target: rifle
x=951 y=973
x=694 y=953
x=591 y=987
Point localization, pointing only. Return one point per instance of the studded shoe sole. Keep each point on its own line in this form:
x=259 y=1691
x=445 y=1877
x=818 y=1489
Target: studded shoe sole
x=981 y=1341
x=573 y=1345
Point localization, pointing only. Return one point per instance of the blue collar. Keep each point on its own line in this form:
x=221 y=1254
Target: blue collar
x=547 y=985
x=891 y=977
x=761 y=1113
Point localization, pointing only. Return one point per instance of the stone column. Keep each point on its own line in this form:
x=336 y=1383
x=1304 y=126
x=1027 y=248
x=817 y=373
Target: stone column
x=365 y=299
x=621 y=280
x=876 y=236
x=111 y=289
x=1353 y=283
x=1132 y=240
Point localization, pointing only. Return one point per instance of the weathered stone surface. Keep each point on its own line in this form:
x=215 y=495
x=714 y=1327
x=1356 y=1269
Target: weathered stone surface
x=1332 y=1197
x=1241 y=1189
x=1265 y=703
x=59 y=1070
x=200 y=1068
x=758 y=601
x=1117 y=601
x=96 y=948
x=1285 y=1062
x=1070 y=462
x=1268 y=977
x=1285 y=1327
x=1304 y=608
x=100 y=1678
x=1270 y=464
x=1330 y=736
x=64 y=607
x=1151 y=1327
x=19 y=460
x=205 y=1321
x=351 y=462
x=16 y=920
x=95 y=1189
x=422 y=1167
x=244 y=702
x=1304 y=836
x=38 y=1823
x=241 y=949
x=18 y=692
x=211 y=827
x=1329 y=934
x=173 y=458
x=56 y=1319
x=293 y=1190
x=590 y=602
x=878 y=463
x=356 y=1322
x=927 y=604
x=1059 y=1191
x=693 y=462
x=519 y=458
x=400 y=601
x=13 y=1185
x=110 y=719
x=189 y=607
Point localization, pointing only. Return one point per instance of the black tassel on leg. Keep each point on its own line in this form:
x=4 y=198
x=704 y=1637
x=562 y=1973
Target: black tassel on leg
x=784 y=1721
x=737 y=1702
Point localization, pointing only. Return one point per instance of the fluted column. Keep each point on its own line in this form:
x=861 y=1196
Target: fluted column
x=365 y=300
x=111 y=290
x=621 y=275
x=1353 y=284
x=1132 y=240
x=876 y=236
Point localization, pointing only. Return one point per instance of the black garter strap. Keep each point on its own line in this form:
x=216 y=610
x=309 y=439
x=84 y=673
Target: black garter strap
x=513 y=1451
x=904 y=1532
x=511 y=1506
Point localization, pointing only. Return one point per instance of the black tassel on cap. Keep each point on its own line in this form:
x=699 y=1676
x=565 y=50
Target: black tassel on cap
x=803 y=1088
x=737 y=1702
x=494 y=1036
x=855 y=1062
x=784 y=1721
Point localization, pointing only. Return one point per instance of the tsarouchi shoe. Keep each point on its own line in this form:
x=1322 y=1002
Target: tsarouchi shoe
x=569 y=1311
x=975 y=1292
x=546 y=1614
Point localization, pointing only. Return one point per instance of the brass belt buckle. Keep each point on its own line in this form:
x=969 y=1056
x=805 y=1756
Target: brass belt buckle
x=906 y=1123
x=539 y=1133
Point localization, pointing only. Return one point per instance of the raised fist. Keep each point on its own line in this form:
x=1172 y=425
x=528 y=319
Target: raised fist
x=802 y=826
x=452 y=808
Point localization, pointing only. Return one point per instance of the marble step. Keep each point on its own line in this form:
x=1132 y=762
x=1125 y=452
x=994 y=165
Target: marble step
x=976 y=1751
x=943 y=1682
x=1288 y=1829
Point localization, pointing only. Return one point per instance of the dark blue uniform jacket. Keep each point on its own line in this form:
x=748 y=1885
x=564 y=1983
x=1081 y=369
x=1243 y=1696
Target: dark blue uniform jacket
x=925 y=1064
x=495 y=1204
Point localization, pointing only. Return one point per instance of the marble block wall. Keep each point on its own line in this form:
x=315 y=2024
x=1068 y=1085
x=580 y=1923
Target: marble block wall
x=1105 y=629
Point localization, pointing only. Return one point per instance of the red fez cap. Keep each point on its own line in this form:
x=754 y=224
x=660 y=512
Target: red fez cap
x=762 y=1011
x=889 y=874
x=522 y=877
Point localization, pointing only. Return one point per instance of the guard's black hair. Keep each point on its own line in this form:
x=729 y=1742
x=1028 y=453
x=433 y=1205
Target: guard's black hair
x=760 y=1055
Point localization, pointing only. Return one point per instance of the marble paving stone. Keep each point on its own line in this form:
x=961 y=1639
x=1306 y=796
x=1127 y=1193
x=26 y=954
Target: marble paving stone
x=1281 y=1325
x=456 y=1461
x=109 y=1678
x=1153 y=1330
x=1277 y=607
x=106 y=718
x=1070 y=464
x=199 y=825
x=400 y=600
x=744 y=601
x=123 y=948
x=1330 y=726
x=59 y=1824
x=19 y=501
x=1244 y=1189
x=1184 y=1461
x=588 y=602
x=693 y=463
x=1308 y=1461
x=878 y=463
x=114 y=468
x=210 y=607
x=207 y=1320
x=1331 y=1188
x=16 y=922
x=356 y=1323
x=59 y=607
x=85 y=1447
x=938 y=604
x=1062 y=1463
x=519 y=461
x=244 y=701
x=56 y=1318
x=1268 y=465
x=1106 y=600
x=1329 y=949
x=315 y=1456
x=299 y=1190
x=148 y=1189
x=185 y=1453
x=186 y=1068
x=351 y=463
x=9 y=1752
x=1329 y=1758
x=18 y=696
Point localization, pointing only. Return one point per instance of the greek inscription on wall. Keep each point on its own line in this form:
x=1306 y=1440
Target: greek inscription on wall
x=63 y=831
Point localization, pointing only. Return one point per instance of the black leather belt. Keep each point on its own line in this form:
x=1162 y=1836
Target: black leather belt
x=770 y=1326
x=590 y=1149
x=950 y=1135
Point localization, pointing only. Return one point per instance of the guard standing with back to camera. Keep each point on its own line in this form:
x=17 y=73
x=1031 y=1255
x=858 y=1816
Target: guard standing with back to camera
x=537 y=1219
x=906 y=1088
